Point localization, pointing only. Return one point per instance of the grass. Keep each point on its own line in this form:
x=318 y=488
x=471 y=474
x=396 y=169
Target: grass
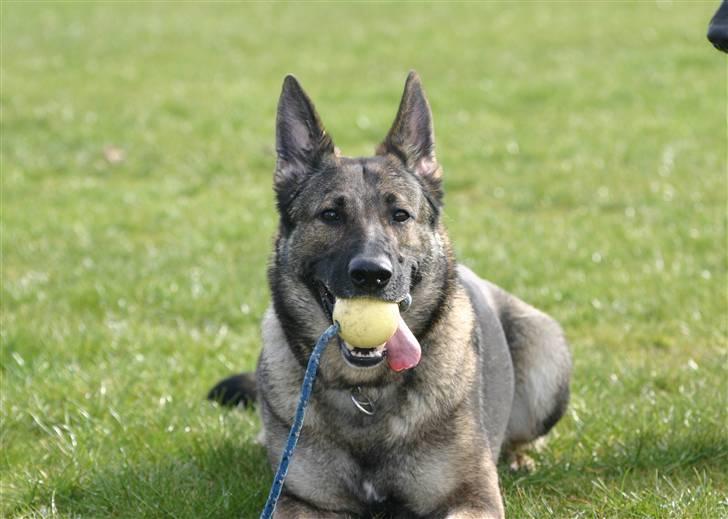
x=584 y=148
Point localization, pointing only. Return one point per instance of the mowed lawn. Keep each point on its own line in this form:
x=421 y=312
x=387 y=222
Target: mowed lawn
x=584 y=147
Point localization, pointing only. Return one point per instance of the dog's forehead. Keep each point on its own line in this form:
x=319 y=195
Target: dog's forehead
x=369 y=178
x=361 y=182
x=376 y=171
x=363 y=166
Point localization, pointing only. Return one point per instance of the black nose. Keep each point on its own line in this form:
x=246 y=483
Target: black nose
x=370 y=272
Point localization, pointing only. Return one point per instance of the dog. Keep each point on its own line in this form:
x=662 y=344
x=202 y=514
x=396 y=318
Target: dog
x=380 y=440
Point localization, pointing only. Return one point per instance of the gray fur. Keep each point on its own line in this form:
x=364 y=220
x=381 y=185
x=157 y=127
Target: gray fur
x=494 y=372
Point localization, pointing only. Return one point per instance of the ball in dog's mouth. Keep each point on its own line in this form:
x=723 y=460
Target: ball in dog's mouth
x=365 y=322
x=402 y=351
x=375 y=319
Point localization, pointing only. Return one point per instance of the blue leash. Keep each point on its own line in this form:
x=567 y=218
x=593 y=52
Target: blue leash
x=306 y=387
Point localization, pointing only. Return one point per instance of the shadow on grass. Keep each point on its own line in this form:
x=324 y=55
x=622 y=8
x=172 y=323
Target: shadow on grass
x=226 y=479
x=231 y=478
x=632 y=466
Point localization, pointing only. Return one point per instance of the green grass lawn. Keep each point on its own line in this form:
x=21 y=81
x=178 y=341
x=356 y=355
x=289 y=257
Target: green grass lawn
x=584 y=148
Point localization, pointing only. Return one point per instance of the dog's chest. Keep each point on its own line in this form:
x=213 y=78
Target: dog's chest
x=374 y=415
x=398 y=460
x=403 y=483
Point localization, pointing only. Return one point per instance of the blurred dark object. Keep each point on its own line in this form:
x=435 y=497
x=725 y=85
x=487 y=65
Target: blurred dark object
x=235 y=390
x=718 y=28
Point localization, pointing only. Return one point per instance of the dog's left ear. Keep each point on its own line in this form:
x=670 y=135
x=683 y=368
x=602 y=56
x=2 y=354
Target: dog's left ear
x=412 y=136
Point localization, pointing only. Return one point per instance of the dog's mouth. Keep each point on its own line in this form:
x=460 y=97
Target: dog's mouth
x=402 y=351
x=355 y=357
x=327 y=299
x=362 y=357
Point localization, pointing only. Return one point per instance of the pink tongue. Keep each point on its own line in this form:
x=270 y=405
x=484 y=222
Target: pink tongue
x=403 y=350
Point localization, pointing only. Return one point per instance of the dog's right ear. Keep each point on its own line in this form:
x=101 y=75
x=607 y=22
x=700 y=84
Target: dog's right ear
x=412 y=137
x=301 y=140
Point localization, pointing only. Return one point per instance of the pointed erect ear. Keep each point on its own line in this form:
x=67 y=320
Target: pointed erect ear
x=412 y=136
x=301 y=141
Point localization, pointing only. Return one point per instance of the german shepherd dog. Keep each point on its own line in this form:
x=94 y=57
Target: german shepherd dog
x=377 y=441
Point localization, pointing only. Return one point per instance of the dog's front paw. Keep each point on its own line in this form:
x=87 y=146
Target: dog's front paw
x=469 y=513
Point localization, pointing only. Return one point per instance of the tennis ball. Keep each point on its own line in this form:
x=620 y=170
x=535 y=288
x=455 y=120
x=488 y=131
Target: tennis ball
x=364 y=322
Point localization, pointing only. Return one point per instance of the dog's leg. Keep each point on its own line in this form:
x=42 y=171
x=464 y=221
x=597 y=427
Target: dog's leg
x=290 y=507
x=477 y=499
x=494 y=510
x=542 y=368
x=472 y=513
x=541 y=365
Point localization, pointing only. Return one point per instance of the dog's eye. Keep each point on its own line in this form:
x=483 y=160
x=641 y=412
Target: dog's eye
x=330 y=215
x=400 y=215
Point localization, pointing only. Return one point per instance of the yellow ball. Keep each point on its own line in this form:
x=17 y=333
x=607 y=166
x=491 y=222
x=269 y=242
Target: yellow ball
x=366 y=323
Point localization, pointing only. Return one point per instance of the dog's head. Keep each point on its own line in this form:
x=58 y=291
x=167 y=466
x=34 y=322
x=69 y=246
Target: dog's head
x=352 y=227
